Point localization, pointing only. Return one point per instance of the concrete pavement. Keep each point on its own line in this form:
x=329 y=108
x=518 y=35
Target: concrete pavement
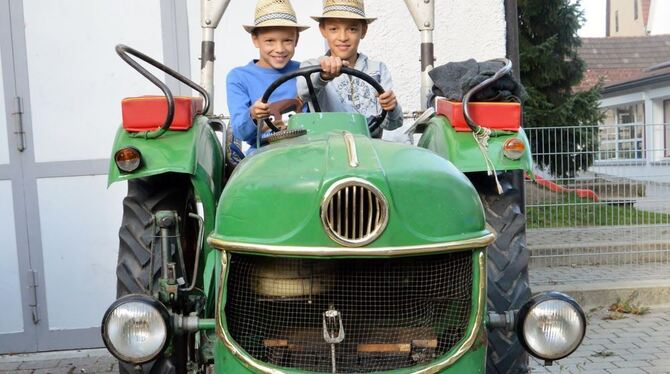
x=60 y=362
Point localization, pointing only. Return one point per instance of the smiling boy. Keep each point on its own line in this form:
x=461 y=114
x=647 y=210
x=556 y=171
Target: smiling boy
x=343 y=25
x=275 y=33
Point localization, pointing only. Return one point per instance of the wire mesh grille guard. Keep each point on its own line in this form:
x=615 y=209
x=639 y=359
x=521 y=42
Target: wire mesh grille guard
x=349 y=316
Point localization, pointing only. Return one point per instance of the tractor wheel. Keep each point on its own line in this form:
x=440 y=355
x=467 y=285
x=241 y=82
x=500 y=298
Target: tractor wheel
x=507 y=266
x=135 y=271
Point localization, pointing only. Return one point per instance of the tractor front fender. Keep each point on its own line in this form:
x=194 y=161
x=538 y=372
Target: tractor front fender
x=196 y=152
x=463 y=151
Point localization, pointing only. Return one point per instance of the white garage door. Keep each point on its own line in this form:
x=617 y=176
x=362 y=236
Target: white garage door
x=58 y=220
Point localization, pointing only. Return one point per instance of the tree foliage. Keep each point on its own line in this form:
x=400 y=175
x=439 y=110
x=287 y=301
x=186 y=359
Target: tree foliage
x=550 y=68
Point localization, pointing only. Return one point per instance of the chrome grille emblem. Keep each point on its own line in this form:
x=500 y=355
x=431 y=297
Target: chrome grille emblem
x=354 y=212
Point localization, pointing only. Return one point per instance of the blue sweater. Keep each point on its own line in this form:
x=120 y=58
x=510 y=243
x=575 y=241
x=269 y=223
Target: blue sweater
x=245 y=85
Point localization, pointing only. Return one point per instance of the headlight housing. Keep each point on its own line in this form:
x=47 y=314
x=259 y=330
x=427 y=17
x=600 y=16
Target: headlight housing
x=136 y=328
x=551 y=326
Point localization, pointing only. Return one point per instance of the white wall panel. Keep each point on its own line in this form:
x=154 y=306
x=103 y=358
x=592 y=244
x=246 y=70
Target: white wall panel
x=79 y=218
x=76 y=79
x=4 y=146
x=233 y=43
x=464 y=29
x=10 y=288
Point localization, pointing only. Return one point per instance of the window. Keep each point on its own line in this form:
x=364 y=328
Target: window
x=622 y=133
x=635 y=9
x=616 y=21
x=666 y=125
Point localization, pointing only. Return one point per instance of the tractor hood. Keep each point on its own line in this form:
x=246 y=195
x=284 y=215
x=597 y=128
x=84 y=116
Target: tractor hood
x=275 y=197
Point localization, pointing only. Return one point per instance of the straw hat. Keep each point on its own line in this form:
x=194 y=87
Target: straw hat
x=273 y=13
x=350 y=9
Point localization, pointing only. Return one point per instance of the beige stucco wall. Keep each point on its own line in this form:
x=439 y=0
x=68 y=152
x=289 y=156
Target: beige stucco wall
x=628 y=25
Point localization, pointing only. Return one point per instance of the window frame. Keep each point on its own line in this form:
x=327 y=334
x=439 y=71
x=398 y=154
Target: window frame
x=617 y=126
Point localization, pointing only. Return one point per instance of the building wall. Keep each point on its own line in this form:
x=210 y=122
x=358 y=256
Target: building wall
x=623 y=13
x=464 y=29
x=654 y=163
x=659 y=13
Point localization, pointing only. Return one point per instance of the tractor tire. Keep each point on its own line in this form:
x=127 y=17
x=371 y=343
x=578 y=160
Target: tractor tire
x=135 y=271
x=508 y=287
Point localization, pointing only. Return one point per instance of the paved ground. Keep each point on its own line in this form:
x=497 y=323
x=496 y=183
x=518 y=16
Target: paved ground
x=635 y=344
x=65 y=362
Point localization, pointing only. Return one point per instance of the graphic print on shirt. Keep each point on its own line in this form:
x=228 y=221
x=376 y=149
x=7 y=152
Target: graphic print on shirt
x=359 y=94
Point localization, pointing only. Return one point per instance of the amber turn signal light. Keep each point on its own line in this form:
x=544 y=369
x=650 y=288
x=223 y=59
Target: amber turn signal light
x=128 y=159
x=514 y=148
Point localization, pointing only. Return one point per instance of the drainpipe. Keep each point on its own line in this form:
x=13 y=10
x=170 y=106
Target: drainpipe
x=211 y=12
x=512 y=36
x=423 y=13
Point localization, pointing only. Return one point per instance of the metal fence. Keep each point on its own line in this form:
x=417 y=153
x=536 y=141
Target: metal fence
x=599 y=208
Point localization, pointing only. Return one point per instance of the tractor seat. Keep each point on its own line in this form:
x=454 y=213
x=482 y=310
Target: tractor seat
x=147 y=113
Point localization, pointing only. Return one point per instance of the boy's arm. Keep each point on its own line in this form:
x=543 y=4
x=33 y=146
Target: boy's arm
x=239 y=103
x=317 y=82
x=394 y=118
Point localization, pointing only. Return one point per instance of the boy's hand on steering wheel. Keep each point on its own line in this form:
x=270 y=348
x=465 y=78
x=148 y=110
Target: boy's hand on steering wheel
x=388 y=101
x=331 y=67
x=259 y=110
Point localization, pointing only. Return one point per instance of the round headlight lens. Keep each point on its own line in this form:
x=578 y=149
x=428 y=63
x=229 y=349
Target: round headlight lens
x=135 y=331
x=553 y=329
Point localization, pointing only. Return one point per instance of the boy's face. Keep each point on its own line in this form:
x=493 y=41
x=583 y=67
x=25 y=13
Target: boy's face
x=343 y=36
x=276 y=45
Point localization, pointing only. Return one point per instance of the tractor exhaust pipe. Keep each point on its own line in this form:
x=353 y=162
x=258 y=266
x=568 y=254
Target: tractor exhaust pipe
x=211 y=12
x=423 y=13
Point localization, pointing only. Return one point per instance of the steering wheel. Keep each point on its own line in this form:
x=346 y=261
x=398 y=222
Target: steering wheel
x=306 y=72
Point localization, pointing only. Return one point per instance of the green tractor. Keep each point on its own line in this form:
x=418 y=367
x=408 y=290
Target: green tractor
x=326 y=251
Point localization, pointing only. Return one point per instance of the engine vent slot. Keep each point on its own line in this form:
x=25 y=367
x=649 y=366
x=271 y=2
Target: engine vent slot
x=354 y=212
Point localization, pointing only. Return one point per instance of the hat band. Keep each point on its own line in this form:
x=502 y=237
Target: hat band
x=344 y=8
x=272 y=16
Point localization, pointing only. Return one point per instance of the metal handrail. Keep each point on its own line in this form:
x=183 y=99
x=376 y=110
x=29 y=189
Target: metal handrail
x=123 y=51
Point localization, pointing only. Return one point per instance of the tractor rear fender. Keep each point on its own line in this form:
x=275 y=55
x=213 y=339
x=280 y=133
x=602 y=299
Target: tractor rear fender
x=196 y=152
x=463 y=151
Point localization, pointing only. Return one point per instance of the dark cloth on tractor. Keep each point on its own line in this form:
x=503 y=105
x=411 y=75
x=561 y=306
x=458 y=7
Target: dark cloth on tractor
x=455 y=79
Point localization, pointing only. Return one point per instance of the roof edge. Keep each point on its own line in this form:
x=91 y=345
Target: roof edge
x=617 y=87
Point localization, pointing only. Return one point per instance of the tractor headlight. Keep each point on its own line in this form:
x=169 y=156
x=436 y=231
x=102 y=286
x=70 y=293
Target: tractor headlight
x=551 y=326
x=135 y=328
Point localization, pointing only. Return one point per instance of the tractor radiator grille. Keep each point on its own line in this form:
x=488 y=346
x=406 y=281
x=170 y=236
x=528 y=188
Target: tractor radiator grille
x=385 y=313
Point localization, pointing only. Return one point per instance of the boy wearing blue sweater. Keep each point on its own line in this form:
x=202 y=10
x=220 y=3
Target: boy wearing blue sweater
x=275 y=33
